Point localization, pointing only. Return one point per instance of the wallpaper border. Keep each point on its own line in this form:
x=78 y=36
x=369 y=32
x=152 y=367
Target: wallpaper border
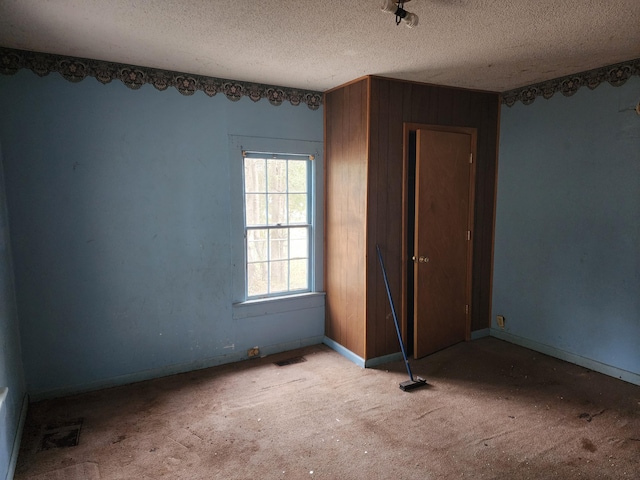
x=76 y=69
x=616 y=75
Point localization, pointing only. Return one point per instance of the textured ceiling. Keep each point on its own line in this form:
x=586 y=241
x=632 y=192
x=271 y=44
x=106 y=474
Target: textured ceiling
x=319 y=44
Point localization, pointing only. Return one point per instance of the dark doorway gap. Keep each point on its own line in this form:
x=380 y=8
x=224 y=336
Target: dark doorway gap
x=411 y=217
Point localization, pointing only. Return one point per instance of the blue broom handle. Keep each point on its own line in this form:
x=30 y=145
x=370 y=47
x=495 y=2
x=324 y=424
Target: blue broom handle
x=393 y=312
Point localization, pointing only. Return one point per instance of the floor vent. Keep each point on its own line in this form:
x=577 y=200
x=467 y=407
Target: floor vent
x=290 y=361
x=61 y=435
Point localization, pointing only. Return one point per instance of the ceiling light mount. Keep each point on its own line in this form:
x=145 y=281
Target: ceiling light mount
x=396 y=7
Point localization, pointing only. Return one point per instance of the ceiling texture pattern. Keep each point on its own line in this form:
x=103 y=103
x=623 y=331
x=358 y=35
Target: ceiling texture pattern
x=311 y=45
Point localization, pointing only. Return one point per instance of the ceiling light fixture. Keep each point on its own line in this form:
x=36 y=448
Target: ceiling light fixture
x=397 y=8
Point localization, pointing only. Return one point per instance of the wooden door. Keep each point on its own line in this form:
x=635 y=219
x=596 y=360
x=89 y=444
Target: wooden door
x=442 y=246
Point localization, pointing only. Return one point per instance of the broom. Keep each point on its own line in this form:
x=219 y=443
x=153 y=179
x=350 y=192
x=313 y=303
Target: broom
x=412 y=383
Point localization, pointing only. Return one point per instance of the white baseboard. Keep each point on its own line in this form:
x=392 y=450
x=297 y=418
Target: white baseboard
x=172 y=369
x=476 y=334
x=358 y=360
x=568 y=357
x=392 y=357
x=345 y=352
x=18 y=439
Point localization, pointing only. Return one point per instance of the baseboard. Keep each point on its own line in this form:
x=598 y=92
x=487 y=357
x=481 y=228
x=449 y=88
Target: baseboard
x=357 y=359
x=476 y=334
x=172 y=369
x=568 y=357
x=345 y=352
x=374 y=362
x=18 y=438
x=285 y=347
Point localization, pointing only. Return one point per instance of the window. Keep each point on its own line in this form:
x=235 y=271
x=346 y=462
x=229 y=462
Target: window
x=257 y=302
x=277 y=223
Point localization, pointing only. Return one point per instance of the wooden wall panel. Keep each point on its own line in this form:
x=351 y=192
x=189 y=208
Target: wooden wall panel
x=384 y=224
x=364 y=186
x=401 y=102
x=345 y=214
x=485 y=214
x=333 y=278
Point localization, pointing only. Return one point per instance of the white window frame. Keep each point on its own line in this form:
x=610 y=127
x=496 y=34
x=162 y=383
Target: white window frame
x=243 y=306
x=267 y=226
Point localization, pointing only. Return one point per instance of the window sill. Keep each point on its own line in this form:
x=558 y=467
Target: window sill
x=274 y=306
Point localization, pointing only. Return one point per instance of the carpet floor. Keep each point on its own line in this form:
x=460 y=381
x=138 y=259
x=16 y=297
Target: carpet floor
x=491 y=410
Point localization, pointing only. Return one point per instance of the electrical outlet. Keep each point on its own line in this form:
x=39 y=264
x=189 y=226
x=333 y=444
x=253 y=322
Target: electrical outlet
x=500 y=321
x=253 y=352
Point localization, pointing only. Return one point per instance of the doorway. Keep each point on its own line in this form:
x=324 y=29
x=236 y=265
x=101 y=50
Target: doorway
x=438 y=206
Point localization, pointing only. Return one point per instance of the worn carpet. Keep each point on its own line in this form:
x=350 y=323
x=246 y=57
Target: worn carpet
x=492 y=410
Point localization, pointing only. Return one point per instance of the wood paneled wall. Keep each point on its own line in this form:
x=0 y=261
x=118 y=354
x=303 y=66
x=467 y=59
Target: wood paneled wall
x=364 y=176
x=345 y=214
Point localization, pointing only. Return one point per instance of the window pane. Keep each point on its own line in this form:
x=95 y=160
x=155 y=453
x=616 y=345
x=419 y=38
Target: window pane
x=277 y=176
x=277 y=196
x=297 y=176
x=279 y=276
x=279 y=244
x=257 y=246
x=256 y=209
x=299 y=243
x=299 y=274
x=255 y=175
x=277 y=208
x=298 y=208
x=257 y=279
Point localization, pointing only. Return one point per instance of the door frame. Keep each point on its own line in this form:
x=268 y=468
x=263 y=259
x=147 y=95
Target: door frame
x=407 y=128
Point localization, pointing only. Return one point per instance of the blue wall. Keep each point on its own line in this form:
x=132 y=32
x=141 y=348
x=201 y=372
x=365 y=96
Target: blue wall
x=567 y=245
x=119 y=202
x=11 y=373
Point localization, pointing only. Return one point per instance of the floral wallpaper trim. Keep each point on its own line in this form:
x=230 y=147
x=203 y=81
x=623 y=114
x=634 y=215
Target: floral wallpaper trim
x=616 y=75
x=77 y=69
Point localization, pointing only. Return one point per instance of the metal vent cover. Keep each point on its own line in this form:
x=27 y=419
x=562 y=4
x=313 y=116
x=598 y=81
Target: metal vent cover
x=290 y=361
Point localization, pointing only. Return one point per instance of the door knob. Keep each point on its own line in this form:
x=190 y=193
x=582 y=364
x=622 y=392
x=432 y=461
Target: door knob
x=423 y=259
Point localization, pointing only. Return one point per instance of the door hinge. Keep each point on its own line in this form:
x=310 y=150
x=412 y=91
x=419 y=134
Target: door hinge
x=471 y=158
x=468 y=234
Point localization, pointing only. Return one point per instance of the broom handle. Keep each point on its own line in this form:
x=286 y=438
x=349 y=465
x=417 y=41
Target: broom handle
x=393 y=312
